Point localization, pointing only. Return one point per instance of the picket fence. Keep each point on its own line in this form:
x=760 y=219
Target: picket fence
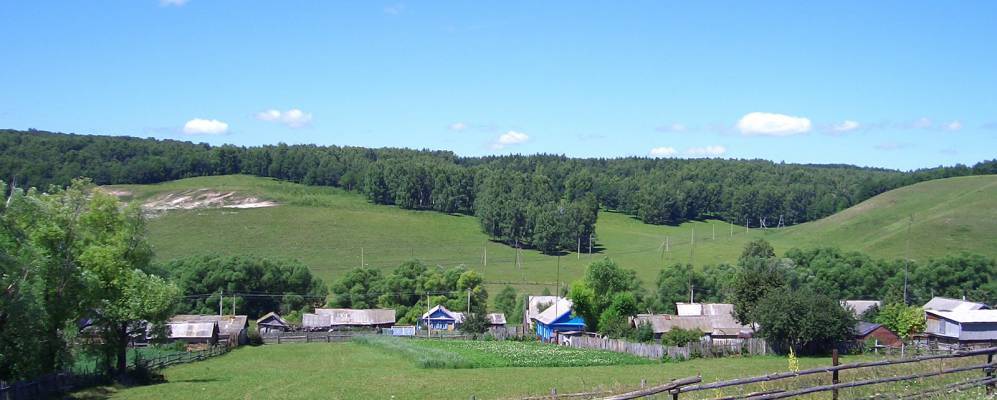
x=690 y=350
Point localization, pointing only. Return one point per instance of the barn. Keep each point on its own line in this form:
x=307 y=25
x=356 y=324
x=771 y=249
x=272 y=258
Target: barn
x=883 y=336
x=346 y=318
x=964 y=328
x=230 y=327
x=496 y=320
x=193 y=332
x=271 y=323
x=556 y=319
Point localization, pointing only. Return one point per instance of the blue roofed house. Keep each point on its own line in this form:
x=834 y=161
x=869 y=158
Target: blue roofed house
x=440 y=318
x=556 y=319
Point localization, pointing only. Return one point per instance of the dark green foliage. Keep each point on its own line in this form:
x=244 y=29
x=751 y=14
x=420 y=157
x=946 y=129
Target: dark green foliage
x=681 y=337
x=808 y=322
x=256 y=285
x=507 y=303
x=675 y=282
x=754 y=280
x=758 y=248
x=543 y=201
x=644 y=332
x=475 y=323
x=411 y=289
x=606 y=297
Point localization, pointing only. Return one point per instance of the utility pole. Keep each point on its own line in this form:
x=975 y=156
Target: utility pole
x=578 y=252
x=910 y=222
x=590 y=245
x=469 y=301
x=714 y=231
x=233 y=306
x=361 y=258
x=558 y=292
x=745 y=224
x=667 y=245
x=732 y=228
x=221 y=298
x=693 y=240
x=485 y=248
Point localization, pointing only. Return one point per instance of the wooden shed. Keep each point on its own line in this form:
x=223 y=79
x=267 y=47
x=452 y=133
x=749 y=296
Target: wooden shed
x=193 y=332
x=272 y=323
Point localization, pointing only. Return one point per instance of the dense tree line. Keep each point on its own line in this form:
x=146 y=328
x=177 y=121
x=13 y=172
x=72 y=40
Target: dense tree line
x=411 y=289
x=252 y=285
x=543 y=201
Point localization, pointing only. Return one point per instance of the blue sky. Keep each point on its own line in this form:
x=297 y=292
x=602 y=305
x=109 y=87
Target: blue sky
x=898 y=84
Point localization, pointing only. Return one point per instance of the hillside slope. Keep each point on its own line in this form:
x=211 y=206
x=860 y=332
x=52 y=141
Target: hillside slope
x=332 y=230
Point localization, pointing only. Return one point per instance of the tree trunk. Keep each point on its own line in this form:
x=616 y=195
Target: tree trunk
x=122 y=348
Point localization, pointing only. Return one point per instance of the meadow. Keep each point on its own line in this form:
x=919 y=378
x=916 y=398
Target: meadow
x=332 y=230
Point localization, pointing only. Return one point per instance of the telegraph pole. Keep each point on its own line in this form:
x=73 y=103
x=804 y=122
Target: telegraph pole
x=714 y=231
x=361 y=258
x=590 y=245
x=578 y=252
x=221 y=298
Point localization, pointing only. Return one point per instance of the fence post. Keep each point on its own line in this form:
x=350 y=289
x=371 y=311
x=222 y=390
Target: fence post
x=834 y=374
x=990 y=373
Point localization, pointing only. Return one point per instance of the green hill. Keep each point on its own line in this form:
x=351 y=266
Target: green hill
x=332 y=230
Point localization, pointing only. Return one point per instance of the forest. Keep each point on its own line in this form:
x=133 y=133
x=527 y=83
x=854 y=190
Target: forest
x=543 y=201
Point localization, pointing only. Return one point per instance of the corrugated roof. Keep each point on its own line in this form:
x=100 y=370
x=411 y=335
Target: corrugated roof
x=968 y=316
x=496 y=319
x=859 y=307
x=864 y=328
x=555 y=311
x=947 y=304
x=534 y=309
x=357 y=317
x=272 y=319
x=718 y=324
x=694 y=309
x=227 y=324
x=192 y=330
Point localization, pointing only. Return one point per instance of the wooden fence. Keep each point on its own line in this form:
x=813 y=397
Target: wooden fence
x=309 y=337
x=50 y=385
x=657 y=351
x=689 y=385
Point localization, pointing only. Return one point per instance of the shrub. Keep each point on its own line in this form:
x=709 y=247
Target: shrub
x=680 y=337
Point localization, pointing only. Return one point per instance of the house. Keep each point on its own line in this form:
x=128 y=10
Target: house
x=964 y=327
x=496 y=319
x=272 y=323
x=442 y=319
x=534 y=306
x=715 y=320
x=947 y=304
x=339 y=318
x=868 y=331
x=859 y=307
x=193 y=332
x=230 y=327
x=557 y=318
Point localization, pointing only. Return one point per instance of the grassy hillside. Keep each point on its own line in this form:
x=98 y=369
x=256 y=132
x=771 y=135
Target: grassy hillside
x=331 y=230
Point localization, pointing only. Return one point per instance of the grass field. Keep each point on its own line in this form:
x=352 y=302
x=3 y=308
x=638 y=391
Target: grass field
x=491 y=354
x=356 y=371
x=332 y=230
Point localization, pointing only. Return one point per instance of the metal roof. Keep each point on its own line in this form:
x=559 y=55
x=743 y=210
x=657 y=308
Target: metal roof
x=864 y=328
x=227 y=324
x=720 y=321
x=362 y=317
x=272 y=319
x=555 y=311
x=968 y=316
x=190 y=330
x=947 y=304
x=533 y=309
x=496 y=318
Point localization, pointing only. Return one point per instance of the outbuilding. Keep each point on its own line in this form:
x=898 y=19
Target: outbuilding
x=881 y=335
x=442 y=319
x=964 y=328
x=271 y=323
x=557 y=318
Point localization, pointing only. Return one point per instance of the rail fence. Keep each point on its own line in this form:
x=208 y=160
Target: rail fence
x=657 y=351
x=53 y=384
x=741 y=388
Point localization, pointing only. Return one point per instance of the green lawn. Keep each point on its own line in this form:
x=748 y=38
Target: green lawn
x=331 y=229
x=356 y=371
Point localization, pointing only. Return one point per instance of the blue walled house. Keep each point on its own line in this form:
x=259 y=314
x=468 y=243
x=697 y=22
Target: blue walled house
x=441 y=319
x=556 y=319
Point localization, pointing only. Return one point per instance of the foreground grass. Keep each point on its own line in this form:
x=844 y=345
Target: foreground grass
x=491 y=354
x=356 y=371
x=331 y=230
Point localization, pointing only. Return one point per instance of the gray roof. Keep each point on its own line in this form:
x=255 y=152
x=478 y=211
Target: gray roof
x=457 y=316
x=192 y=330
x=864 y=328
x=859 y=307
x=974 y=325
x=496 y=319
x=947 y=304
x=720 y=322
x=227 y=324
x=533 y=308
x=554 y=311
x=272 y=319
x=327 y=317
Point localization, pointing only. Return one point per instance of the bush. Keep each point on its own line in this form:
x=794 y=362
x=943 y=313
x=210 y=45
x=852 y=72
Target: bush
x=254 y=337
x=680 y=337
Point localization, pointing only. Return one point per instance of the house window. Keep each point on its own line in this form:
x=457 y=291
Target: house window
x=941 y=326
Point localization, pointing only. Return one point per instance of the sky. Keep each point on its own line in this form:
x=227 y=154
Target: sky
x=894 y=84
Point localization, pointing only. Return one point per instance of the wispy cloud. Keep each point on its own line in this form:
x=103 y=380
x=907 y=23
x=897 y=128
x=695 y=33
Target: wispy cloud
x=394 y=9
x=845 y=126
x=510 y=138
x=771 y=124
x=457 y=126
x=663 y=151
x=953 y=126
x=293 y=118
x=199 y=126
x=706 y=151
x=173 y=3
x=672 y=128
x=891 y=146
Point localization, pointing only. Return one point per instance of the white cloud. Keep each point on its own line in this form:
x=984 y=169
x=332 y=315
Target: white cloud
x=394 y=9
x=845 y=126
x=458 y=126
x=706 y=151
x=510 y=138
x=293 y=118
x=174 y=3
x=769 y=124
x=674 y=127
x=922 y=123
x=953 y=126
x=663 y=152
x=198 y=126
